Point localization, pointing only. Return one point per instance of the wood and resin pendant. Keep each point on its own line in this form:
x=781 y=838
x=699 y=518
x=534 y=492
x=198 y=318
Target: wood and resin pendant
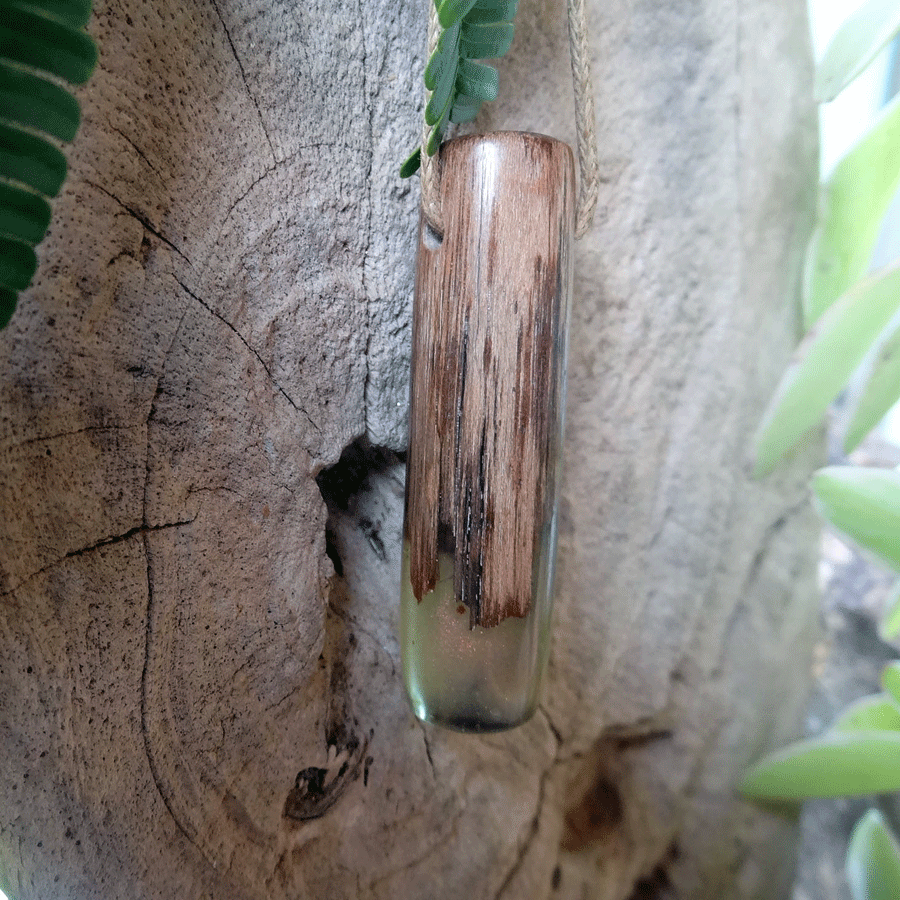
x=487 y=397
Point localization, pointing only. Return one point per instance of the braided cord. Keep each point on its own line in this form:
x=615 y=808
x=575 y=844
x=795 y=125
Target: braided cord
x=431 y=165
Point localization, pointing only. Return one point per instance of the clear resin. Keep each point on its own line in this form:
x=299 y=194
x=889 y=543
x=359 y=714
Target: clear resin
x=464 y=678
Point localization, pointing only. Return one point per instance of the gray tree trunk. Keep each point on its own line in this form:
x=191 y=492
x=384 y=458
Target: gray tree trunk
x=194 y=704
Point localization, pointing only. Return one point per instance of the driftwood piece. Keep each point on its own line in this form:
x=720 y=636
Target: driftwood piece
x=489 y=334
x=192 y=702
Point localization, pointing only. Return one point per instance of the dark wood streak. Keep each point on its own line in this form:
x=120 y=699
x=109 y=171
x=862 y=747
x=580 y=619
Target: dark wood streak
x=487 y=370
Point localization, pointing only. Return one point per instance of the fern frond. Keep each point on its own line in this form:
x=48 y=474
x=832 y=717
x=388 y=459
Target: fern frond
x=31 y=160
x=38 y=38
x=471 y=30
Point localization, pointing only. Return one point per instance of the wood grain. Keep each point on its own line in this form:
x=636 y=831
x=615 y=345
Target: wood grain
x=488 y=368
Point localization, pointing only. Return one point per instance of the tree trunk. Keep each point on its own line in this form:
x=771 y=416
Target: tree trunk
x=199 y=681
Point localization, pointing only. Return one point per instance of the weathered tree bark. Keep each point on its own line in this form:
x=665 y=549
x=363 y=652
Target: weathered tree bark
x=194 y=703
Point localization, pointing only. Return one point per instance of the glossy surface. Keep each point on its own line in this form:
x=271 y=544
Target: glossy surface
x=469 y=679
x=488 y=391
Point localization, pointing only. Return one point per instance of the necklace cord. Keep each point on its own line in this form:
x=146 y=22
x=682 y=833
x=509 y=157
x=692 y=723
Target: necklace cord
x=585 y=119
x=585 y=126
x=431 y=165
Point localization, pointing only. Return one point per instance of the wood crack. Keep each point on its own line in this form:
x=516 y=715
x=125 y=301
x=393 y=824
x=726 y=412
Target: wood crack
x=145 y=731
x=278 y=163
x=237 y=59
x=119 y=538
x=142 y=219
x=136 y=149
x=246 y=193
x=356 y=626
x=150 y=612
x=243 y=340
x=82 y=551
x=44 y=438
x=533 y=830
x=442 y=843
x=368 y=244
x=427 y=743
x=766 y=541
x=557 y=734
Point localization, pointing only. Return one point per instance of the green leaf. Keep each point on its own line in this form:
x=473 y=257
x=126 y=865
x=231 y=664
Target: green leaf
x=823 y=363
x=17 y=264
x=836 y=764
x=7 y=306
x=412 y=163
x=853 y=203
x=23 y=214
x=32 y=101
x=36 y=37
x=437 y=112
x=31 y=160
x=441 y=99
x=864 y=504
x=877 y=713
x=881 y=389
x=444 y=78
x=448 y=42
x=488 y=34
x=464 y=109
x=452 y=11
x=437 y=66
x=434 y=140
x=485 y=41
x=445 y=57
x=890 y=679
x=890 y=619
x=486 y=12
x=477 y=80
x=30 y=38
x=855 y=44
x=74 y=13
x=873 y=860
x=439 y=121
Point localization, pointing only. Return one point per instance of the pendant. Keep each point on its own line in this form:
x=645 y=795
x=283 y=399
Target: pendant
x=490 y=319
